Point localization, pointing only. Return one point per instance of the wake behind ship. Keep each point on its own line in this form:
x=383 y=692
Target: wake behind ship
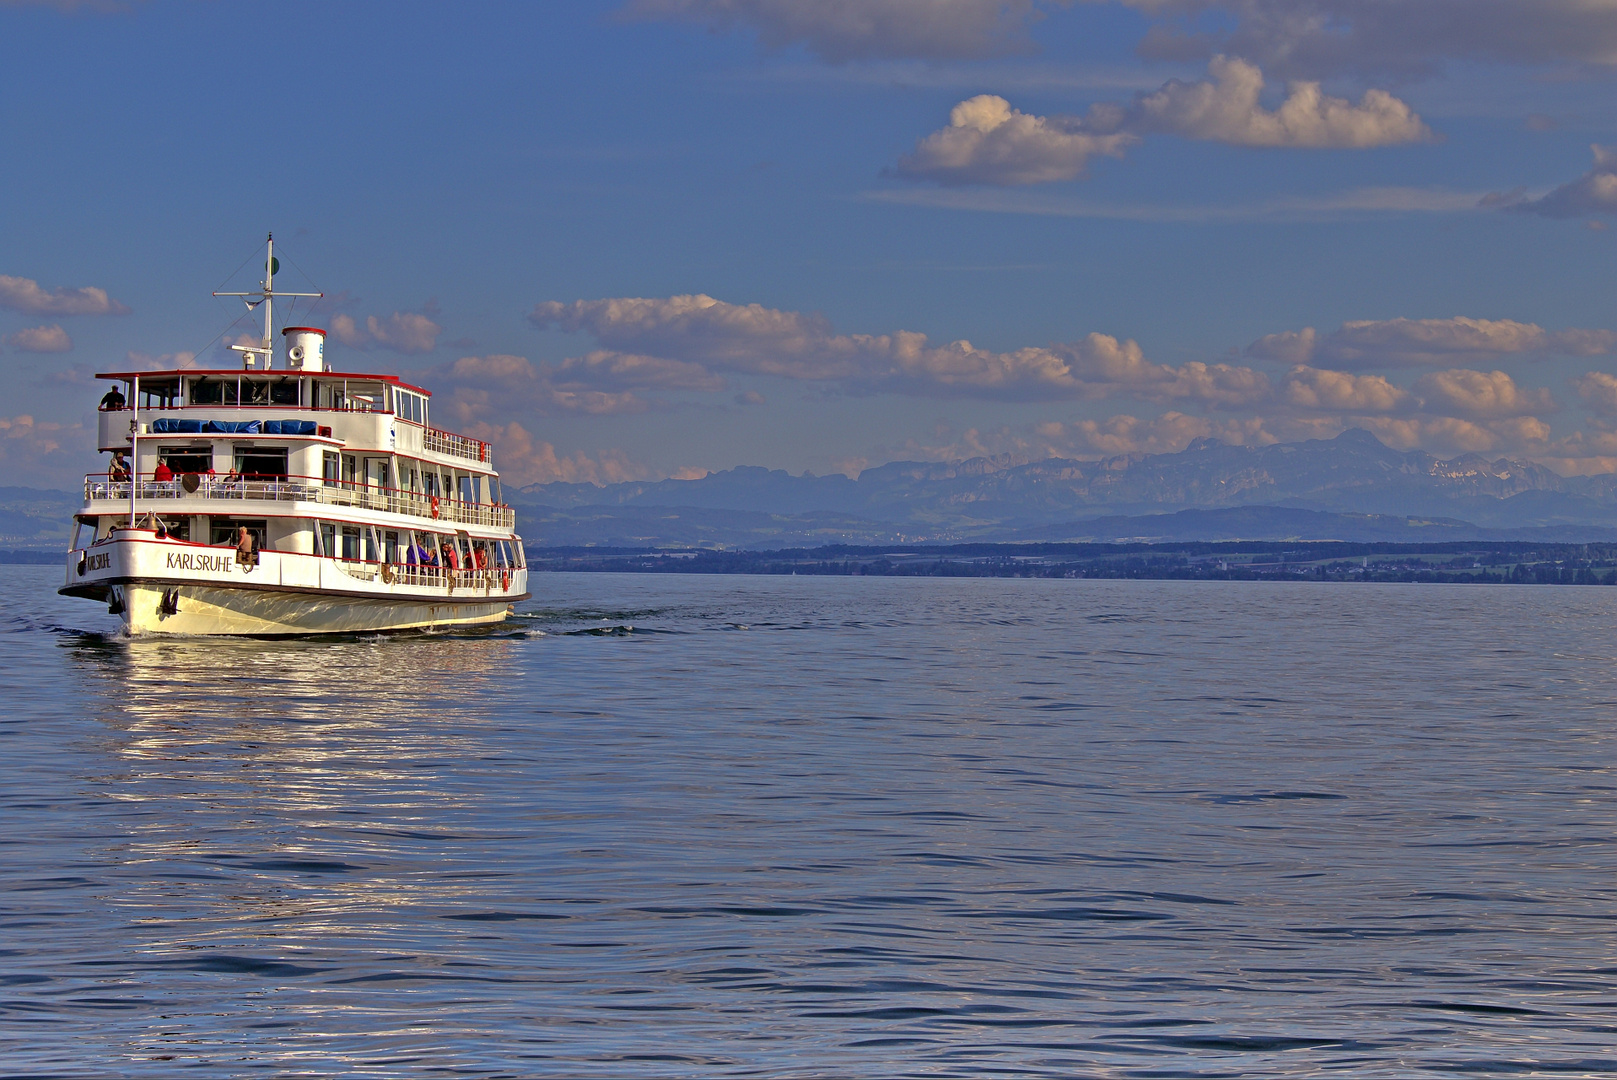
x=290 y=499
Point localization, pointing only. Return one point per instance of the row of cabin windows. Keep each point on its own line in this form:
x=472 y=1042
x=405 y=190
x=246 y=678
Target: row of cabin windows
x=252 y=462
x=351 y=543
x=352 y=470
x=229 y=390
x=372 y=543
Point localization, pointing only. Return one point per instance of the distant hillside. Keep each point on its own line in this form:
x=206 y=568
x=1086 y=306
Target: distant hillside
x=1350 y=487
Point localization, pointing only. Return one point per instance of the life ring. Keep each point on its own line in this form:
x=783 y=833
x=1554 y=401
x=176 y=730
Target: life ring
x=505 y=580
x=435 y=506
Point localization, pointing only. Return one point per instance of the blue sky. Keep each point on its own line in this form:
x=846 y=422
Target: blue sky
x=642 y=238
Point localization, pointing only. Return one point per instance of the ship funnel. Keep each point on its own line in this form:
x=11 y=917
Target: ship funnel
x=305 y=348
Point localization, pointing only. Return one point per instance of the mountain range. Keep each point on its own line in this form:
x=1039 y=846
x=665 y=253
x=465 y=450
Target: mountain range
x=1352 y=487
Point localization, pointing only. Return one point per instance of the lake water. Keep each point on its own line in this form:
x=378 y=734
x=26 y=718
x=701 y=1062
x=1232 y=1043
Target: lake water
x=822 y=827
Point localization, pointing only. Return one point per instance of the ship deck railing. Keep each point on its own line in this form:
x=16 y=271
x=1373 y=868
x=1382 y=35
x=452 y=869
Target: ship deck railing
x=416 y=504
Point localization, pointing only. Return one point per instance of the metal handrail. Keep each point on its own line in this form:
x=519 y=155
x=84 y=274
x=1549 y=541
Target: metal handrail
x=98 y=486
x=447 y=442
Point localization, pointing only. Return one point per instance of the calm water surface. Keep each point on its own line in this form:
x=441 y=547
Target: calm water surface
x=800 y=827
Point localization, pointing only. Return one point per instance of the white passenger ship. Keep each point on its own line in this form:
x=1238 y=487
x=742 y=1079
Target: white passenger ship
x=289 y=499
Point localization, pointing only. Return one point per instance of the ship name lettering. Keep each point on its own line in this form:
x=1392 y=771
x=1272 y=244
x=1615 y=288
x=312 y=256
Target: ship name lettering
x=102 y=561
x=202 y=564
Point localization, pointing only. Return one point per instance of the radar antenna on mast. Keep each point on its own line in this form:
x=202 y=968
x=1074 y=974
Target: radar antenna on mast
x=266 y=296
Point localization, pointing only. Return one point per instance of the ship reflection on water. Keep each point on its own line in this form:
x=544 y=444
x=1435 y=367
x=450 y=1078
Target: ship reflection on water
x=273 y=781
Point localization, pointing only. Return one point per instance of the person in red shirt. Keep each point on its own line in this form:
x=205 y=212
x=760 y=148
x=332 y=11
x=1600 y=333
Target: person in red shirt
x=450 y=562
x=163 y=472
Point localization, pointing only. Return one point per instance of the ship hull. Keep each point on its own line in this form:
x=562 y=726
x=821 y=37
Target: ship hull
x=164 y=587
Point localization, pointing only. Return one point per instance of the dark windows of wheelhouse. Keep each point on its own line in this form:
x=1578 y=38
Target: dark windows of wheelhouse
x=261 y=462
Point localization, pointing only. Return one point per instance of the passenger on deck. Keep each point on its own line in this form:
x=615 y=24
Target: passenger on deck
x=118 y=470
x=246 y=549
x=450 y=562
x=480 y=556
x=112 y=400
x=162 y=474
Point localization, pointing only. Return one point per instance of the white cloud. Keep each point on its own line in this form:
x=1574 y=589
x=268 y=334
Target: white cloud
x=1598 y=389
x=45 y=452
x=1226 y=109
x=140 y=361
x=1595 y=192
x=26 y=295
x=523 y=460
x=750 y=338
x=1476 y=395
x=1318 y=38
x=402 y=331
x=40 y=339
x=988 y=142
x=1336 y=391
x=1353 y=204
x=488 y=387
x=1416 y=342
x=843 y=30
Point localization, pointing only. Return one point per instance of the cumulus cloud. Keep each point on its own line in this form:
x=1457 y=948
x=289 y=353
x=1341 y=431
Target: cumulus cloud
x=142 y=361
x=1598 y=390
x=1417 y=342
x=40 y=339
x=44 y=451
x=483 y=387
x=753 y=339
x=989 y=142
x=1320 y=38
x=1225 y=108
x=1337 y=391
x=1478 y=395
x=524 y=460
x=1595 y=192
x=843 y=30
x=402 y=331
x=26 y=295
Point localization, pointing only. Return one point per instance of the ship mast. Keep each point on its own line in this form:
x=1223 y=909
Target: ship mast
x=266 y=296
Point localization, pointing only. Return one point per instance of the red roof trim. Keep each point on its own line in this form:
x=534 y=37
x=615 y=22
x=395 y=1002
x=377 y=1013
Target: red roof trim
x=304 y=330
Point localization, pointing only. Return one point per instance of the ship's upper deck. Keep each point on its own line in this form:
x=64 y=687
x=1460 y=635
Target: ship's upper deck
x=358 y=410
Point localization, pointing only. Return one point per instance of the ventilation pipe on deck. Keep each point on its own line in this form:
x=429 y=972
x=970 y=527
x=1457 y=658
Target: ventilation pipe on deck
x=305 y=348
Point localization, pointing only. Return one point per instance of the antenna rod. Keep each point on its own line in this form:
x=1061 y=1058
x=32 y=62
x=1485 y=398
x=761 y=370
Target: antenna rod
x=269 y=298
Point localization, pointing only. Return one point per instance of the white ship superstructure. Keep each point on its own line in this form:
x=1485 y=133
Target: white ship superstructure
x=289 y=499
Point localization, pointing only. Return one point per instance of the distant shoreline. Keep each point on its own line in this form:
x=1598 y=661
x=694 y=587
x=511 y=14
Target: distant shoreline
x=1444 y=563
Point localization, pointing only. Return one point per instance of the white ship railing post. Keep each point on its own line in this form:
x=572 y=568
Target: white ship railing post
x=134 y=447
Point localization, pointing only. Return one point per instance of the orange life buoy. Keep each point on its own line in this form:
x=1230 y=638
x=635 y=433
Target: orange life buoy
x=435 y=506
x=505 y=579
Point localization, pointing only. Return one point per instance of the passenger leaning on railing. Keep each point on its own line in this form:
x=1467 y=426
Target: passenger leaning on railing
x=112 y=400
x=118 y=470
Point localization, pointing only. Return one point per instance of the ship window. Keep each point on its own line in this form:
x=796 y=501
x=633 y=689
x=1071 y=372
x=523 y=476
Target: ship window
x=187 y=459
x=468 y=489
x=284 y=392
x=261 y=462
x=350 y=542
x=255 y=392
x=207 y=391
x=328 y=539
x=329 y=464
x=222 y=531
x=159 y=395
x=391 y=551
